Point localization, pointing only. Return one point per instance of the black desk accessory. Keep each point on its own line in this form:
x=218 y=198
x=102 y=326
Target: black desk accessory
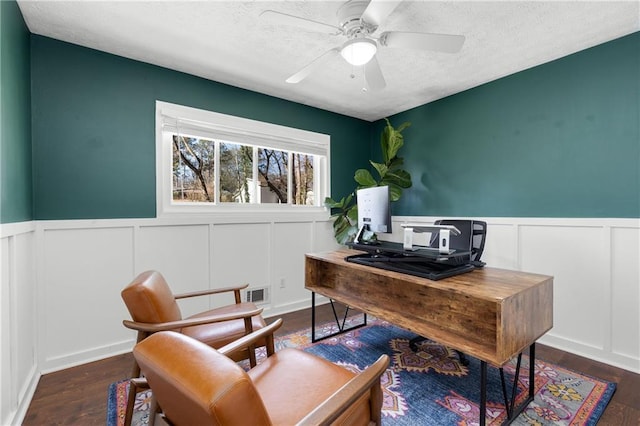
x=462 y=254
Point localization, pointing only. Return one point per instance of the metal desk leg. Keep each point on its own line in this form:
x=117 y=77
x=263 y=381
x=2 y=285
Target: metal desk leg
x=313 y=316
x=483 y=393
x=509 y=403
x=532 y=366
x=341 y=328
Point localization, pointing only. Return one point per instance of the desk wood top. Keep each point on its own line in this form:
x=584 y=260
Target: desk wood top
x=487 y=283
x=490 y=313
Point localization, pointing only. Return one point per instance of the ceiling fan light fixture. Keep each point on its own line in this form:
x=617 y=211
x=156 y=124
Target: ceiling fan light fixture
x=358 y=51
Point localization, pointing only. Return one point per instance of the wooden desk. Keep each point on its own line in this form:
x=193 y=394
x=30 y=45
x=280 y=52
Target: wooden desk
x=491 y=314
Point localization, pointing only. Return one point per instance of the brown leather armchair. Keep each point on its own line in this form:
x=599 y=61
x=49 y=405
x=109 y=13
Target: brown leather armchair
x=195 y=384
x=153 y=308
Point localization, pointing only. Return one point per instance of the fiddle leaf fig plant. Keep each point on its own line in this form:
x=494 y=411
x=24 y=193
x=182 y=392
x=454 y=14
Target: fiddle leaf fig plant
x=389 y=172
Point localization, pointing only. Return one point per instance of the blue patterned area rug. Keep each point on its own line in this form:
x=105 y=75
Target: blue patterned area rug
x=431 y=386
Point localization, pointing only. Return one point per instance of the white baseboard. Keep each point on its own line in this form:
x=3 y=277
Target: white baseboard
x=617 y=360
x=17 y=417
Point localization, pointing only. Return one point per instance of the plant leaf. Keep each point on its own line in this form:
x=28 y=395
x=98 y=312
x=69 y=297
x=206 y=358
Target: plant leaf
x=396 y=162
x=380 y=168
x=395 y=192
x=385 y=137
x=343 y=230
x=340 y=223
x=364 y=178
x=403 y=126
x=402 y=178
x=331 y=203
x=391 y=140
x=394 y=143
x=352 y=214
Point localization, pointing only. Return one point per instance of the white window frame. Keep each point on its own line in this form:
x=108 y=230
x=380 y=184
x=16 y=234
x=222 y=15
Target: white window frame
x=172 y=119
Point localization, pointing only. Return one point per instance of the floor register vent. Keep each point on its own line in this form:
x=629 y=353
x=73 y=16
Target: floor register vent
x=258 y=295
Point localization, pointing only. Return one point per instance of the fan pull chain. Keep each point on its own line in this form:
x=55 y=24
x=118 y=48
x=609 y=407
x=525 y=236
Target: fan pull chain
x=364 y=81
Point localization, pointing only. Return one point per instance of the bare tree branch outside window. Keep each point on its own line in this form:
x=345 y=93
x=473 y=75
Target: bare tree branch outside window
x=194 y=173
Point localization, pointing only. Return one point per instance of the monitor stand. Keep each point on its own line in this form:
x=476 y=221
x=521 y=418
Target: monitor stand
x=365 y=236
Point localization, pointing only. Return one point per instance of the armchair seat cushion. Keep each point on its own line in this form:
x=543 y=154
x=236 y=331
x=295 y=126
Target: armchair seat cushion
x=227 y=331
x=292 y=383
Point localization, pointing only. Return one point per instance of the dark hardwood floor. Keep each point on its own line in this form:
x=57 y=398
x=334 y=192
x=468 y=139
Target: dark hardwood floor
x=77 y=396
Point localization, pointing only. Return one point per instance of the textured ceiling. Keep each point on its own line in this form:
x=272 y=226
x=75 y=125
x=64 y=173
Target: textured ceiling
x=228 y=42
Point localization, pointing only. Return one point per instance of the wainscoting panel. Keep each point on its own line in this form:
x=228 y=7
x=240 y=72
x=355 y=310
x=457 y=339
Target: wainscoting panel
x=577 y=260
x=287 y=274
x=625 y=292
x=83 y=272
x=322 y=237
x=500 y=248
x=241 y=255
x=181 y=253
x=19 y=369
x=23 y=308
x=7 y=396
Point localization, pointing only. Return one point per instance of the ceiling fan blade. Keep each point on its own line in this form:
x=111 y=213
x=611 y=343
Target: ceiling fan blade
x=378 y=10
x=373 y=75
x=275 y=17
x=425 y=41
x=312 y=66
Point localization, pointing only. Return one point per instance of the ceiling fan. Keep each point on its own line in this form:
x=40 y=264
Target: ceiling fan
x=358 y=20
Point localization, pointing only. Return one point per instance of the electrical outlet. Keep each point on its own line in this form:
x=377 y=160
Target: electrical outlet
x=282 y=282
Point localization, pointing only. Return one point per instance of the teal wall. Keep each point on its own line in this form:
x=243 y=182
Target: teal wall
x=558 y=140
x=93 y=120
x=15 y=117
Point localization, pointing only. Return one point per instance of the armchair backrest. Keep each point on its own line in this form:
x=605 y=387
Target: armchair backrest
x=149 y=299
x=196 y=385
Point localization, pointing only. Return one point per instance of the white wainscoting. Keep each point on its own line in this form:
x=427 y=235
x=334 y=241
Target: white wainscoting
x=85 y=264
x=61 y=280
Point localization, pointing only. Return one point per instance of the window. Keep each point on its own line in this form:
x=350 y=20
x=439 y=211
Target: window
x=211 y=162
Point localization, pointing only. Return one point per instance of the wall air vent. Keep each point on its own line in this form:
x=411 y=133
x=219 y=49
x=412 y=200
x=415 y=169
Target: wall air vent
x=257 y=295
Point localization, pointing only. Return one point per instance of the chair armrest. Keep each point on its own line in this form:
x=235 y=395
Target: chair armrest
x=251 y=339
x=327 y=412
x=173 y=325
x=211 y=291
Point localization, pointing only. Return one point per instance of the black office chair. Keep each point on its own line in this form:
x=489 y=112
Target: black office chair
x=472 y=238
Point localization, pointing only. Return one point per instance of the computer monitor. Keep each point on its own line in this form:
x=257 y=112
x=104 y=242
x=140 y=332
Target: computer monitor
x=374 y=213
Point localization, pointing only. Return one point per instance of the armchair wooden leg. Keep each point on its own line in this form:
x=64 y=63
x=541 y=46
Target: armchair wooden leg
x=153 y=409
x=271 y=348
x=376 y=404
x=135 y=386
x=135 y=371
x=248 y=328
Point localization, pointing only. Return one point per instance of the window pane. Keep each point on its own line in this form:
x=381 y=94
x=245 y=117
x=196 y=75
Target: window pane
x=193 y=169
x=220 y=161
x=236 y=168
x=302 y=177
x=272 y=168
